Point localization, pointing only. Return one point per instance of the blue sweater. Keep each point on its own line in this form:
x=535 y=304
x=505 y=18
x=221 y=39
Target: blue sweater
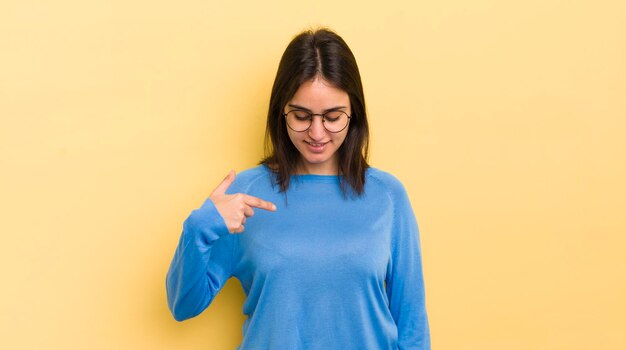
x=321 y=272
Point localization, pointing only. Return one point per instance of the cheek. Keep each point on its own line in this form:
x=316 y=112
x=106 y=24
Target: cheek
x=340 y=138
x=294 y=137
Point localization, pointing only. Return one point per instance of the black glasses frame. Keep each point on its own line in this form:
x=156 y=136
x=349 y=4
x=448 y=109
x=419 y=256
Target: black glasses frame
x=323 y=115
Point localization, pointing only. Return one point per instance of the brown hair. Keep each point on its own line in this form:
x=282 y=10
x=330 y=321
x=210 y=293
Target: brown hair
x=317 y=53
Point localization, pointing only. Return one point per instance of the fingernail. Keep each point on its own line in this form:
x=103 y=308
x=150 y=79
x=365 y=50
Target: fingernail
x=273 y=206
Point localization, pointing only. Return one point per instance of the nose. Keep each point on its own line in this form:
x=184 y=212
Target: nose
x=317 y=131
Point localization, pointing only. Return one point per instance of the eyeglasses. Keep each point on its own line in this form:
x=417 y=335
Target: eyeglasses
x=333 y=121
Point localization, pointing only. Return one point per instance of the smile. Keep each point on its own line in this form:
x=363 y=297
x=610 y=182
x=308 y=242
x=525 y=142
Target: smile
x=316 y=144
x=316 y=147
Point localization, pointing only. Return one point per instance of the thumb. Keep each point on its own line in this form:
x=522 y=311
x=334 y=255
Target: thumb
x=223 y=186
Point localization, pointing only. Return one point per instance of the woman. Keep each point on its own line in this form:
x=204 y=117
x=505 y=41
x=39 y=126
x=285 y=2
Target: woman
x=332 y=261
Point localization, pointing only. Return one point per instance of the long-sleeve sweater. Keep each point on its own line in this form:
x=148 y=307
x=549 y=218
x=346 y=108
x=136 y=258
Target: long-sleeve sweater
x=324 y=271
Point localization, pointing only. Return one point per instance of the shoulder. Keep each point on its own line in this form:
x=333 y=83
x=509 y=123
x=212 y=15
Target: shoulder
x=397 y=196
x=249 y=177
x=252 y=173
x=388 y=182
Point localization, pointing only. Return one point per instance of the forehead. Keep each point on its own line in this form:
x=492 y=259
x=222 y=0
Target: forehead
x=320 y=94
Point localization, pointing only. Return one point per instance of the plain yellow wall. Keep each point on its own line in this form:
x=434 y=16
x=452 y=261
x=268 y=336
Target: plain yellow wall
x=504 y=119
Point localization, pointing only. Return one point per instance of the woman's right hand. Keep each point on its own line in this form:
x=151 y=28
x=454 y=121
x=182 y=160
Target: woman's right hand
x=235 y=208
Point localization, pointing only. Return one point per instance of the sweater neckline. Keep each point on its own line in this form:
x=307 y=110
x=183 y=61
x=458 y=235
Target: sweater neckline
x=318 y=178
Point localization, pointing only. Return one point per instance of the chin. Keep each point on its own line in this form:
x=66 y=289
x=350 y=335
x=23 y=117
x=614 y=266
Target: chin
x=317 y=158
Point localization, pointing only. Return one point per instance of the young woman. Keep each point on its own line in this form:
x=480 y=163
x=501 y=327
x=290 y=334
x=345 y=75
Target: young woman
x=332 y=261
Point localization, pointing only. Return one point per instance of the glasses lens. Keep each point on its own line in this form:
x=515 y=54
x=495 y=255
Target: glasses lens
x=335 y=121
x=298 y=120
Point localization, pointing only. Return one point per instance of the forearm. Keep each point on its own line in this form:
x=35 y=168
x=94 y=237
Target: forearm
x=191 y=281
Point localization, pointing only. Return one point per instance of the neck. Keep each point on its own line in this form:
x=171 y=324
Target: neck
x=332 y=168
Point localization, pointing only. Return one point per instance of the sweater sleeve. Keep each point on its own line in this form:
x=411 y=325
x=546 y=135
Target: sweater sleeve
x=405 y=282
x=202 y=263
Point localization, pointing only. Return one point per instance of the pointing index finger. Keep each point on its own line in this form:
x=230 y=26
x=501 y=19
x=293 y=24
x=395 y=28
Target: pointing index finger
x=223 y=186
x=259 y=203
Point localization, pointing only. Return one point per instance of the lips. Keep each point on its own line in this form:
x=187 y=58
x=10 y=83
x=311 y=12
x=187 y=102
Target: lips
x=316 y=147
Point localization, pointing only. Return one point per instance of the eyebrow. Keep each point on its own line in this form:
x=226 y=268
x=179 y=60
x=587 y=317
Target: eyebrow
x=308 y=110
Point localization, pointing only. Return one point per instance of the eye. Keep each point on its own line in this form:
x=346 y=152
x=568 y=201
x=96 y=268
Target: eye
x=333 y=116
x=301 y=115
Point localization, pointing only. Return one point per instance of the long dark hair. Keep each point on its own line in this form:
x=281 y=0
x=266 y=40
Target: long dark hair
x=310 y=54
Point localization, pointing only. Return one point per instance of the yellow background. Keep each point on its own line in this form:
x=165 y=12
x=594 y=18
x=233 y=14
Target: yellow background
x=505 y=120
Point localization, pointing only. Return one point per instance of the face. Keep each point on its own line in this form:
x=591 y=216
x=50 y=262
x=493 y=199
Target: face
x=317 y=146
